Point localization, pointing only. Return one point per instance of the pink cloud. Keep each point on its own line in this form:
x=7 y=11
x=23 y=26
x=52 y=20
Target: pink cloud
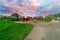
x=6 y=14
x=31 y=6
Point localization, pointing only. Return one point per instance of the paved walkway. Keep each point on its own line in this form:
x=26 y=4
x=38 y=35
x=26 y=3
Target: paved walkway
x=37 y=33
x=43 y=31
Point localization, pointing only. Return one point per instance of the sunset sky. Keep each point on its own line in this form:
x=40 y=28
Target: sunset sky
x=29 y=7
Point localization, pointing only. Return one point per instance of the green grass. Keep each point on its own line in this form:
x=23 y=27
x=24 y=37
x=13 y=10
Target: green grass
x=43 y=21
x=14 y=31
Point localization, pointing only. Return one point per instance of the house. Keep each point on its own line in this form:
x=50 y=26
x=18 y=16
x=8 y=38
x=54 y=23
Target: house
x=27 y=18
x=57 y=18
x=38 y=18
x=22 y=18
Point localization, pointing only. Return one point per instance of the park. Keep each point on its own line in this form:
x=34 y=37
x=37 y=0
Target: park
x=29 y=19
x=29 y=28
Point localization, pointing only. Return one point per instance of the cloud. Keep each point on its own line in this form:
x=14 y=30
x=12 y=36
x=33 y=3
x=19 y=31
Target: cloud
x=36 y=7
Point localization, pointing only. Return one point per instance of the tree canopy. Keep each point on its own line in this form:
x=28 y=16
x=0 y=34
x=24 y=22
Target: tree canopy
x=57 y=15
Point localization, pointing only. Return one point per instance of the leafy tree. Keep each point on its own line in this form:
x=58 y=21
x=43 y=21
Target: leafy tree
x=57 y=15
x=49 y=18
x=1 y=16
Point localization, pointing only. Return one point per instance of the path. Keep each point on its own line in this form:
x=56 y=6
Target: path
x=42 y=31
x=37 y=33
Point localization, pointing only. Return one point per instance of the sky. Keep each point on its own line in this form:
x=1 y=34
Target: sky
x=29 y=7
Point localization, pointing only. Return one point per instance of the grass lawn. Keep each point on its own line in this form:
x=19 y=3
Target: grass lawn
x=14 y=31
x=43 y=21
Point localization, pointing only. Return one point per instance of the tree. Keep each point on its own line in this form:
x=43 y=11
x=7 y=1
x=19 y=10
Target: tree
x=49 y=18
x=1 y=16
x=15 y=15
x=57 y=15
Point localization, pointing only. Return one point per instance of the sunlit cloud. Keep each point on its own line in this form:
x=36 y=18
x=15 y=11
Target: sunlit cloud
x=39 y=7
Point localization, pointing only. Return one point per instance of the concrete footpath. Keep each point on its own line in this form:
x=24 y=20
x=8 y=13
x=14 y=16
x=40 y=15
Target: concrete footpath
x=43 y=31
x=37 y=33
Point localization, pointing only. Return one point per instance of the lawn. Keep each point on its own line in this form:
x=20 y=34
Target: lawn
x=14 y=31
x=43 y=21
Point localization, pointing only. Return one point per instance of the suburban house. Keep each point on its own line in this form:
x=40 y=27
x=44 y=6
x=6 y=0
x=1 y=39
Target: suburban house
x=26 y=18
x=57 y=18
x=23 y=18
x=38 y=18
